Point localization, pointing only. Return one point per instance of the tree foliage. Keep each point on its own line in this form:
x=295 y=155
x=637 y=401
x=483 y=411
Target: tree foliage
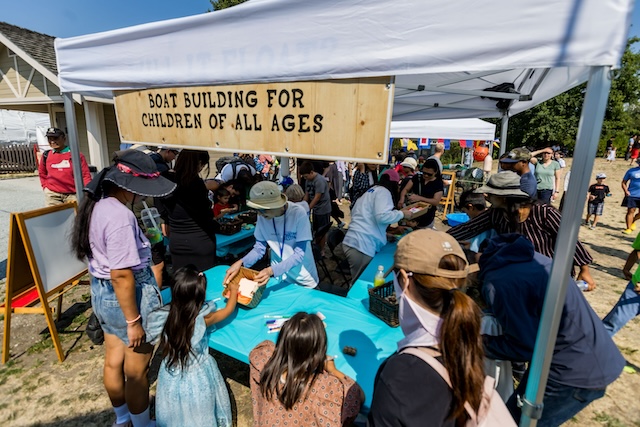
x=555 y=122
x=224 y=4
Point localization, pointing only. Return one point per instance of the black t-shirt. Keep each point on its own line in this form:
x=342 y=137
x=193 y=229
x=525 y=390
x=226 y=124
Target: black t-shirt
x=428 y=190
x=409 y=392
x=600 y=191
x=636 y=144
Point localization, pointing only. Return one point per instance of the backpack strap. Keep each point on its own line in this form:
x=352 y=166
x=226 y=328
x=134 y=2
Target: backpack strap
x=442 y=371
x=44 y=159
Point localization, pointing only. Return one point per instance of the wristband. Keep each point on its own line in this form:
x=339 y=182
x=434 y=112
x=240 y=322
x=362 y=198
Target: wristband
x=131 y=322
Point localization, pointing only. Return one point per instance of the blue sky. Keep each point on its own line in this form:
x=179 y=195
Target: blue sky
x=67 y=18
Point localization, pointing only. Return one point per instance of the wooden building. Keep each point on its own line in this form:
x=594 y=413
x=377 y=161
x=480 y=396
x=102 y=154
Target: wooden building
x=29 y=82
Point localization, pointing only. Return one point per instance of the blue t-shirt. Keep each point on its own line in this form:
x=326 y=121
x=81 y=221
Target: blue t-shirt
x=529 y=185
x=633 y=176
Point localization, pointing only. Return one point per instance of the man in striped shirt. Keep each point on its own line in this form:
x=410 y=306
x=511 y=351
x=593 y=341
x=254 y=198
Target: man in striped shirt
x=513 y=211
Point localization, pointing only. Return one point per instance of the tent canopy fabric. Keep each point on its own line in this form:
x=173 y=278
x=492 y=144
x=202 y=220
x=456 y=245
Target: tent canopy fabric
x=443 y=60
x=466 y=129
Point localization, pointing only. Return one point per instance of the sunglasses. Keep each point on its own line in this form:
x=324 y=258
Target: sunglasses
x=428 y=174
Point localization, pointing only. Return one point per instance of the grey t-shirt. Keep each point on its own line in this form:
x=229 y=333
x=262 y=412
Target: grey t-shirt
x=319 y=185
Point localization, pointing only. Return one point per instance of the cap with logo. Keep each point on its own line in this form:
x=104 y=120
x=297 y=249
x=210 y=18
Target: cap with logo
x=413 y=256
x=55 y=132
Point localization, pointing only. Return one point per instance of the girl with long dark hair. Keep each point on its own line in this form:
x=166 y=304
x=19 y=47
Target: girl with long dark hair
x=191 y=226
x=124 y=293
x=295 y=379
x=437 y=318
x=191 y=390
x=370 y=218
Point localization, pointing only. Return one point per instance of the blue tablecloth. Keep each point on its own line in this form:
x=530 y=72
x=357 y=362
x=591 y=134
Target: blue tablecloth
x=235 y=243
x=349 y=323
x=360 y=289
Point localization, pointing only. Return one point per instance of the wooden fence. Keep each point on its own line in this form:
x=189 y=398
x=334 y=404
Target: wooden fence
x=17 y=157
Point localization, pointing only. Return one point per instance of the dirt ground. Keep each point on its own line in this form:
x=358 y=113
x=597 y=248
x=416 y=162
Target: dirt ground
x=37 y=390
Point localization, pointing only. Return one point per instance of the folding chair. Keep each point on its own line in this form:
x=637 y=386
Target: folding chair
x=334 y=238
x=448 y=200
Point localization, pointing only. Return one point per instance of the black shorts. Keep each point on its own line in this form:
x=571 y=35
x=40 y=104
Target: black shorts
x=321 y=220
x=158 y=252
x=633 y=202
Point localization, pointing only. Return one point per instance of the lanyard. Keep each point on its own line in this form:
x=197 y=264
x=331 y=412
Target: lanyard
x=284 y=232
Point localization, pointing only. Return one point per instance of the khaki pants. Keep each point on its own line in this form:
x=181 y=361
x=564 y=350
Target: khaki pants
x=51 y=198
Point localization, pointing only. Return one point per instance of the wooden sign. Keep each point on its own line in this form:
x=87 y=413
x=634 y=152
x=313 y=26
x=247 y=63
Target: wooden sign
x=40 y=267
x=337 y=119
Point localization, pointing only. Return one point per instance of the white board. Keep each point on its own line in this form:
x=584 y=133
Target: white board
x=50 y=237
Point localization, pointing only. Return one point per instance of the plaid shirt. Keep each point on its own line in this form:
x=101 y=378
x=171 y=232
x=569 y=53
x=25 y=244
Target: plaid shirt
x=541 y=227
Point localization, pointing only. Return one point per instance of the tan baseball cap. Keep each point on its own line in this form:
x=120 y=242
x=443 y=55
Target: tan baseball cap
x=421 y=251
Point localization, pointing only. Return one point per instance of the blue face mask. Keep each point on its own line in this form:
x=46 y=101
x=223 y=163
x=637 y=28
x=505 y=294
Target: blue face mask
x=421 y=328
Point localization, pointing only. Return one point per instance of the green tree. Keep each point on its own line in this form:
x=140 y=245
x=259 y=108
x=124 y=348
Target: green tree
x=556 y=120
x=224 y=4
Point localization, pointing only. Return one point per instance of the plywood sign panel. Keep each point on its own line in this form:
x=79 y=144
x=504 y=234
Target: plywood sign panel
x=337 y=119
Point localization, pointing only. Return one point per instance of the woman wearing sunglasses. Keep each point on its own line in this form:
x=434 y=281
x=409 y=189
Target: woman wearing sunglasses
x=425 y=186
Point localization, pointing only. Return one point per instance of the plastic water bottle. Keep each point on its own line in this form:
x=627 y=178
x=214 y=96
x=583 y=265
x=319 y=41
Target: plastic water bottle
x=582 y=285
x=378 y=279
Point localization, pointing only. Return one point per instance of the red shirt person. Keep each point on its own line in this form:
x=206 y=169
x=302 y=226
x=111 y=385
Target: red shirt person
x=56 y=170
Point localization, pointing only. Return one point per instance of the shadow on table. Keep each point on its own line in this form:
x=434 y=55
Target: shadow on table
x=367 y=355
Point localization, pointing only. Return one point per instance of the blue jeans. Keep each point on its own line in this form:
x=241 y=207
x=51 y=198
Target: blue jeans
x=545 y=196
x=561 y=402
x=148 y=299
x=627 y=307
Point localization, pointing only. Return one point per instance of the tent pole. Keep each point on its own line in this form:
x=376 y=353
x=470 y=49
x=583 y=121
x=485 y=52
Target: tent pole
x=589 y=129
x=284 y=171
x=503 y=133
x=74 y=145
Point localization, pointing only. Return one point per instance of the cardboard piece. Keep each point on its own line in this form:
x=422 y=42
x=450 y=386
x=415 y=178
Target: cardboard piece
x=418 y=209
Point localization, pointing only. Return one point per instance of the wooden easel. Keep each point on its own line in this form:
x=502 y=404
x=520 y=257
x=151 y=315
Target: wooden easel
x=25 y=286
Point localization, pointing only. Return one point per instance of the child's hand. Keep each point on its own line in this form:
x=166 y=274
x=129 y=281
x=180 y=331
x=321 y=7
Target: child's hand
x=234 y=288
x=591 y=197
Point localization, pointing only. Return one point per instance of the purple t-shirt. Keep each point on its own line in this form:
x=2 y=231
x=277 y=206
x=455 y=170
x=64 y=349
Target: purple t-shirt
x=116 y=240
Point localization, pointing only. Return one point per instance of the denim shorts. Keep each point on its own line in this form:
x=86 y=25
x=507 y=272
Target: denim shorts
x=107 y=308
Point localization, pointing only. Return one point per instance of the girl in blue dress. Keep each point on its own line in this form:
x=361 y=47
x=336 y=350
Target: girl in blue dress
x=191 y=390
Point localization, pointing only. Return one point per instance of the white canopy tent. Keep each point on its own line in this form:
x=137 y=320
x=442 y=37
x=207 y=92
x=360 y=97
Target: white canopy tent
x=469 y=58
x=466 y=129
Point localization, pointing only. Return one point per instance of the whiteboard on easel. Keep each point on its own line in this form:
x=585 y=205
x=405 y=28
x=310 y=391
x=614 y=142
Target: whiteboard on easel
x=50 y=238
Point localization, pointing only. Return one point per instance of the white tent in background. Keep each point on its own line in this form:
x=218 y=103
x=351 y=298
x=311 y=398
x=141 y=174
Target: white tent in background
x=23 y=126
x=466 y=129
x=460 y=59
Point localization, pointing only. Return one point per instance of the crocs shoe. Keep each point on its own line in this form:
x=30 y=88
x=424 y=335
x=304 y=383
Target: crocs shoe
x=633 y=226
x=627 y=231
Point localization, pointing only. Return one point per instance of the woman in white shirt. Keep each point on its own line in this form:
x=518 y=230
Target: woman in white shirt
x=369 y=220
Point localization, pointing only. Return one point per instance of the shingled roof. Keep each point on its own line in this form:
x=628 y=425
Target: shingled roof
x=37 y=45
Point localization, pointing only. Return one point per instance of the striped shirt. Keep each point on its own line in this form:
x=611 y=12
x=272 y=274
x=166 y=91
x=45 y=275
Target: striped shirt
x=541 y=227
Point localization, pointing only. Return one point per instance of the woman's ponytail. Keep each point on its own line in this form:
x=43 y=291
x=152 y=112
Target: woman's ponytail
x=462 y=352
